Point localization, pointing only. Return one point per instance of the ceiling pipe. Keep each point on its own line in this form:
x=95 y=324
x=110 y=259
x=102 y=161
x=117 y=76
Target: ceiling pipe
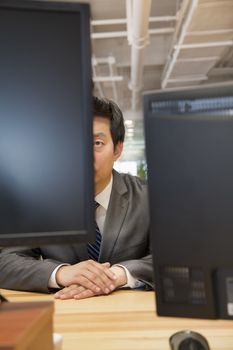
x=102 y=22
x=176 y=49
x=98 y=85
x=129 y=5
x=113 y=77
x=122 y=34
x=112 y=69
x=138 y=16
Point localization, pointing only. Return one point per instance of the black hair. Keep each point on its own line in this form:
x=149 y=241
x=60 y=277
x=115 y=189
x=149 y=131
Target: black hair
x=105 y=108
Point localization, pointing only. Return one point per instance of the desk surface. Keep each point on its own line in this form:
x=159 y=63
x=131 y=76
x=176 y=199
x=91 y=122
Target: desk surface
x=123 y=320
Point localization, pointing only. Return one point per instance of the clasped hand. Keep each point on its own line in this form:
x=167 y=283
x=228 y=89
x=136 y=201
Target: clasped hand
x=88 y=278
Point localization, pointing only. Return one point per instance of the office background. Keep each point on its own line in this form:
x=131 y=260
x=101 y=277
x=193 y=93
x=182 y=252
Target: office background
x=137 y=46
x=140 y=45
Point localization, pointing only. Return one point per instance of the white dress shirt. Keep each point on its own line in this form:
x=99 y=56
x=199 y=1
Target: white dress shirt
x=103 y=199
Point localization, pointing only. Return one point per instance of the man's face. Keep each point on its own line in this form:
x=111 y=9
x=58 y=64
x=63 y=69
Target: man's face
x=104 y=153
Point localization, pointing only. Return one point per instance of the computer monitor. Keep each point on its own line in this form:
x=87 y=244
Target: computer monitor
x=189 y=149
x=46 y=147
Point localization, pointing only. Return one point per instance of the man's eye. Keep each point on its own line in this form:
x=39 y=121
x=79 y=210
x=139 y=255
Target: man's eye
x=98 y=143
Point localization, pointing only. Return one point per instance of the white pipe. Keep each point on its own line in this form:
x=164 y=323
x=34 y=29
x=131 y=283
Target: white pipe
x=102 y=22
x=110 y=61
x=120 y=34
x=168 y=30
x=162 y=19
x=129 y=10
x=107 y=78
x=98 y=85
x=100 y=60
x=168 y=69
x=111 y=64
x=107 y=35
x=140 y=17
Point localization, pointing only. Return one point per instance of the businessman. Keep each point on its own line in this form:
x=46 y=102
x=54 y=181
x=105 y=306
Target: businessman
x=120 y=256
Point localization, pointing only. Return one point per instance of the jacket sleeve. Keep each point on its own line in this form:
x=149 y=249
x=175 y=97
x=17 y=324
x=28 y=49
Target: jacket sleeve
x=24 y=269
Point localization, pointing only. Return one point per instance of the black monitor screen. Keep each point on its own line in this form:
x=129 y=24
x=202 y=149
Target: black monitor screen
x=189 y=146
x=46 y=165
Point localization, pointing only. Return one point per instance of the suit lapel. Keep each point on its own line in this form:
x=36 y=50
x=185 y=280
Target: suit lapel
x=117 y=209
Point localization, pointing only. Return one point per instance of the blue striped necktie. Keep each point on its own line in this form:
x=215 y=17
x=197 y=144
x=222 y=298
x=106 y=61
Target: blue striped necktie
x=94 y=248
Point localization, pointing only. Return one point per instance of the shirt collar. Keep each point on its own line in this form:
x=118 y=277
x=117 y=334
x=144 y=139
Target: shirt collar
x=103 y=197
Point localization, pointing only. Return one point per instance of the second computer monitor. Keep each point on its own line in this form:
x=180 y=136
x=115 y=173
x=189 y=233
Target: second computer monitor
x=189 y=148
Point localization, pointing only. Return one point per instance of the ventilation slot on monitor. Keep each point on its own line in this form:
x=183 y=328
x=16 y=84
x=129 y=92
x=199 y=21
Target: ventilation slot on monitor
x=184 y=285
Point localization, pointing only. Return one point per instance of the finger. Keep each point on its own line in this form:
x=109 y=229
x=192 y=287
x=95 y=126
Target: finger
x=91 y=275
x=102 y=276
x=86 y=293
x=109 y=272
x=106 y=264
x=65 y=290
x=90 y=280
x=101 y=268
x=72 y=292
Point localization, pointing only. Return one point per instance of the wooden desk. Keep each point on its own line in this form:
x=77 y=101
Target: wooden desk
x=123 y=320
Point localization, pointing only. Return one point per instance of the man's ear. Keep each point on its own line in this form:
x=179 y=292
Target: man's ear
x=118 y=150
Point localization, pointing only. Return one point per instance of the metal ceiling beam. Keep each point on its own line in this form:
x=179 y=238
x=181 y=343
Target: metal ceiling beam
x=204 y=45
x=216 y=3
x=176 y=49
x=209 y=32
x=198 y=59
x=221 y=71
x=194 y=77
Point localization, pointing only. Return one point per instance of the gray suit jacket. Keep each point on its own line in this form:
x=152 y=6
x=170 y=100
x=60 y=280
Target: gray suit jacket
x=125 y=241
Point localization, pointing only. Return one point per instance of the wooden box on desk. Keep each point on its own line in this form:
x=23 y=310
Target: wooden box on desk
x=26 y=326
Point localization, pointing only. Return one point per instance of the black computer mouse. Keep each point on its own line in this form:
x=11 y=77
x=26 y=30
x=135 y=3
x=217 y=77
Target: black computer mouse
x=188 y=340
x=191 y=344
